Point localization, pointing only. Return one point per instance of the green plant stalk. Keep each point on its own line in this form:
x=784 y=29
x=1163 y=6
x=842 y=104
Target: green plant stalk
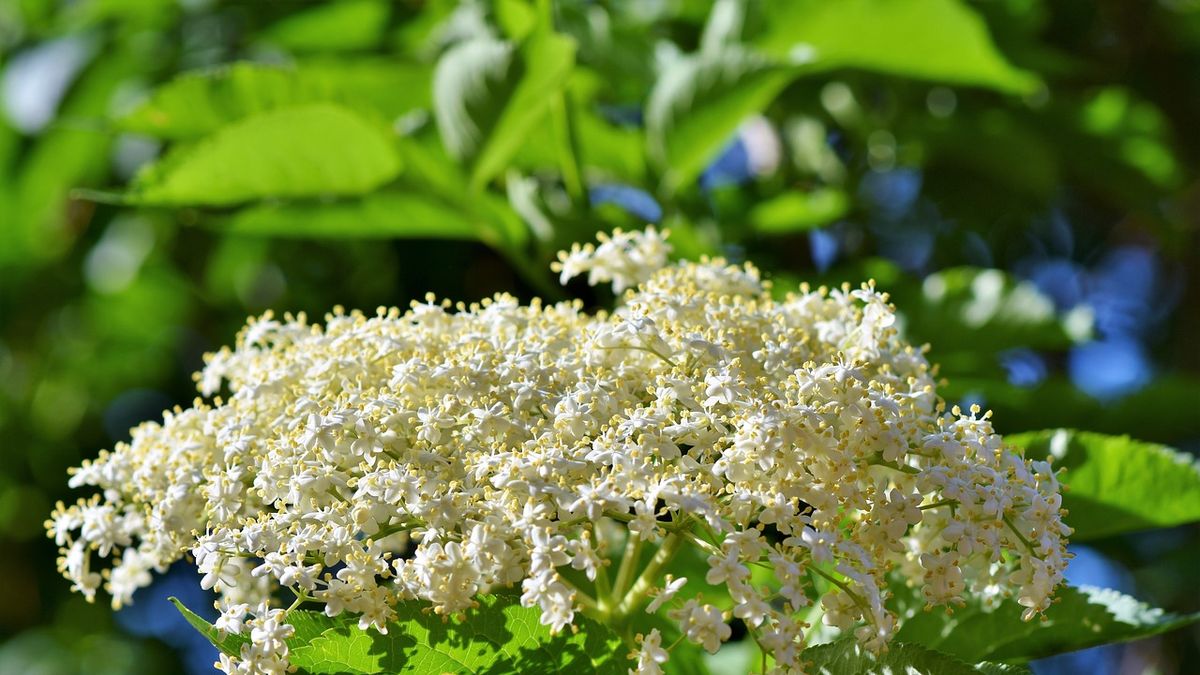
x=568 y=149
x=633 y=550
x=637 y=593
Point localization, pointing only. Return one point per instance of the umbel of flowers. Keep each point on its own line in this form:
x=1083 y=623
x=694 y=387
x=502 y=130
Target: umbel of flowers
x=447 y=451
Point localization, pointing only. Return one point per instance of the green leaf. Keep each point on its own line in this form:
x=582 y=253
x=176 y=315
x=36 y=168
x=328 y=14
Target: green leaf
x=799 y=211
x=699 y=101
x=499 y=636
x=1116 y=484
x=489 y=95
x=846 y=656
x=939 y=40
x=303 y=151
x=346 y=25
x=230 y=644
x=1082 y=617
x=389 y=213
x=198 y=103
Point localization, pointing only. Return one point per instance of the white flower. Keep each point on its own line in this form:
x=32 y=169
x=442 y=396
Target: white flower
x=670 y=588
x=437 y=454
x=702 y=624
x=650 y=654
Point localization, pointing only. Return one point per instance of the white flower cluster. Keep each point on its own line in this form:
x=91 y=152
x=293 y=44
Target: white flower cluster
x=440 y=453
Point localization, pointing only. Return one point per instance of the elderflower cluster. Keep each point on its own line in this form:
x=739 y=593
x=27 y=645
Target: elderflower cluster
x=442 y=453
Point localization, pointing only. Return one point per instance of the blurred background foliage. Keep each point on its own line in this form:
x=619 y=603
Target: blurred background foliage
x=1020 y=174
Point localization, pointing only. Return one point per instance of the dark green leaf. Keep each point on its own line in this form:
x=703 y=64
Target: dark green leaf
x=847 y=657
x=1116 y=484
x=1082 y=617
x=498 y=637
x=303 y=151
x=1153 y=410
x=940 y=40
x=968 y=308
x=198 y=103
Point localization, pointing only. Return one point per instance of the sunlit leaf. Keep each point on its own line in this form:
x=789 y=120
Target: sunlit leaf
x=345 y=25
x=198 y=103
x=798 y=211
x=1116 y=484
x=1082 y=617
x=302 y=151
x=498 y=636
x=940 y=40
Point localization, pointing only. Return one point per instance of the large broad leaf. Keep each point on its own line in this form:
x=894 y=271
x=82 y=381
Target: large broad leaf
x=303 y=151
x=1082 y=617
x=499 y=636
x=199 y=103
x=1116 y=484
x=846 y=657
x=940 y=40
x=489 y=95
x=391 y=213
x=699 y=101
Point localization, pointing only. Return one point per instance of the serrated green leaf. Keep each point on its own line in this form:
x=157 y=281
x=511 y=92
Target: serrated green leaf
x=699 y=101
x=847 y=657
x=199 y=103
x=939 y=40
x=388 y=213
x=302 y=151
x=499 y=636
x=1081 y=617
x=230 y=644
x=1116 y=484
x=346 y=25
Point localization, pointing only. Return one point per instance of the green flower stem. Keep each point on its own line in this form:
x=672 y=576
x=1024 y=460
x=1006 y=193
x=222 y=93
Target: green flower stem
x=633 y=599
x=633 y=551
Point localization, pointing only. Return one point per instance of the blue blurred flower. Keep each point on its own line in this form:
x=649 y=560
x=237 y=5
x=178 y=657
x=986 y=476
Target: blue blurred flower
x=1060 y=279
x=1124 y=288
x=1025 y=367
x=754 y=151
x=635 y=201
x=891 y=194
x=824 y=245
x=1110 y=368
x=152 y=615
